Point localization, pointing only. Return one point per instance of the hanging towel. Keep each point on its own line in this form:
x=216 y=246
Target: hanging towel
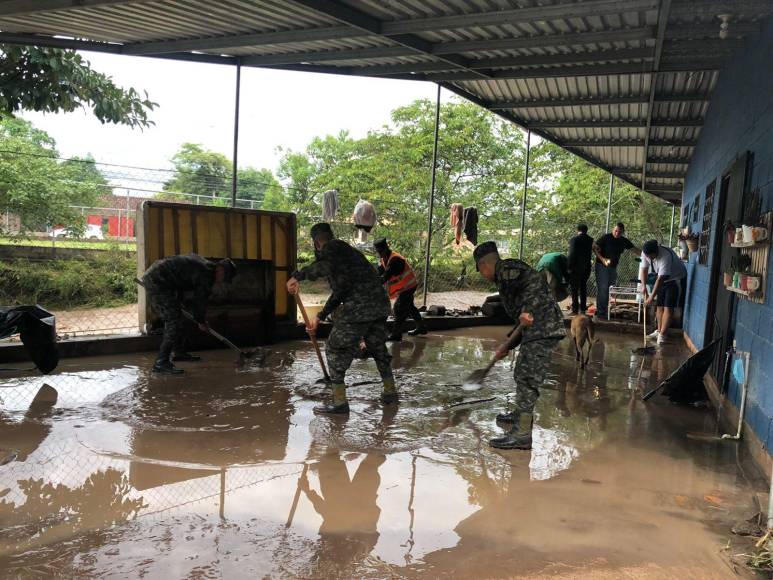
x=329 y=205
x=364 y=215
x=457 y=220
x=471 y=224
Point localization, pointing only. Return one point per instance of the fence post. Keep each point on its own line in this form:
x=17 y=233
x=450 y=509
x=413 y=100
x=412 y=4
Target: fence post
x=671 y=230
x=431 y=196
x=523 y=198
x=609 y=199
x=234 y=176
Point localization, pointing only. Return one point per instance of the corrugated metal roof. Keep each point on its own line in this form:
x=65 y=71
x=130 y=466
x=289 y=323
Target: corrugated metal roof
x=580 y=73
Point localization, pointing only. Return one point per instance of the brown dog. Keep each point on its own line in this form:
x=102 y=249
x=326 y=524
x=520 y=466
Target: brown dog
x=582 y=331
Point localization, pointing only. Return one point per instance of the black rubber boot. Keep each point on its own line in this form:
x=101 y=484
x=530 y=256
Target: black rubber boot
x=339 y=405
x=186 y=357
x=165 y=367
x=389 y=393
x=508 y=417
x=397 y=333
x=519 y=437
x=419 y=330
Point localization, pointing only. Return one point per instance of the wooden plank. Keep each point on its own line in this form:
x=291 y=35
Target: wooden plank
x=195 y=231
x=160 y=231
x=227 y=234
x=244 y=234
x=169 y=235
x=281 y=301
x=176 y=230
x=253 y=237
x=185 y=231
x=281 y=252
x=202 y=233
x=266 y=227
x=235 y=235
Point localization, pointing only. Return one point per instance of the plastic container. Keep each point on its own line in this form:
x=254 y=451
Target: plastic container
x=748 y=234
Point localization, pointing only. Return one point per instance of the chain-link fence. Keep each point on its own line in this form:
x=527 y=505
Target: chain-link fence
x=82 y=265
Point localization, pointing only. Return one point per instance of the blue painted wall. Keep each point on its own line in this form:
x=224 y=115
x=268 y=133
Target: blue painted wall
x=740 y=118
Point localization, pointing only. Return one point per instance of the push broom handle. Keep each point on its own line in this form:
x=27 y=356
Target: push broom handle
x=313 y=338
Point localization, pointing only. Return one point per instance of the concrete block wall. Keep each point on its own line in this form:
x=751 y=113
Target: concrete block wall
x=740 y=118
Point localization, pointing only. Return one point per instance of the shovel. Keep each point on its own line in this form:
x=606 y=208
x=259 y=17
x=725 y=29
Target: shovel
x=645 y=350
x=245 y=356
x=475 y=379
x=302 y=308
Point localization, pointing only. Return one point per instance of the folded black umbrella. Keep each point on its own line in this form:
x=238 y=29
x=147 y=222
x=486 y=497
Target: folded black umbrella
x=685 y=384
x=36 y=327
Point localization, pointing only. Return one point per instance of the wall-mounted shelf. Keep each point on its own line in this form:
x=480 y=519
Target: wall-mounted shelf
x=758 y=243
x=746 y=293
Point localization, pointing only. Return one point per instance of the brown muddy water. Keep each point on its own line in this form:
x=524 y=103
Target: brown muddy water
x=227 y=473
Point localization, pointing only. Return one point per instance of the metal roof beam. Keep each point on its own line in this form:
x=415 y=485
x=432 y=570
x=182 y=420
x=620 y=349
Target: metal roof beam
x=652 y=174
x=668 y=160
x=359 y=19
x=626 y=143
x=560 y=11
x=16 y=7
x=598 y=101
x=398 y=51
x=545 y=72
x=240 y=40
x=546 y=40
x=107 y=47
x=663 y=11
x=614 y=123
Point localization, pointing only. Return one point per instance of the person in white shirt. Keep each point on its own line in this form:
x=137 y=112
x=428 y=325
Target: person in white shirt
x=671 y=275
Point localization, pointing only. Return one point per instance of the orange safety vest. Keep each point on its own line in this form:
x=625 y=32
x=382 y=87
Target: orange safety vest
x=405 y=280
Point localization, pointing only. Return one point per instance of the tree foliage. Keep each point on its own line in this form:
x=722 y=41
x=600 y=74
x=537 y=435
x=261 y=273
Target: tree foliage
x=52 y=80
x=36 y=186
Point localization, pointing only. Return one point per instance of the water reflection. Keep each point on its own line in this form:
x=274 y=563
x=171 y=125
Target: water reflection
x=233 y=467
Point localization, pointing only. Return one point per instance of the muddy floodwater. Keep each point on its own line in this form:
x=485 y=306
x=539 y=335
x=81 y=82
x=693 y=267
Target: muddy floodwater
x=227 y=473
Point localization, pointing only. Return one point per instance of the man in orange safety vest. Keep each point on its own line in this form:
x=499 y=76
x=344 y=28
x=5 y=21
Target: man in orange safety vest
x=401 y=284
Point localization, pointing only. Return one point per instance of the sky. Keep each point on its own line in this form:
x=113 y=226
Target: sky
x=196 y=104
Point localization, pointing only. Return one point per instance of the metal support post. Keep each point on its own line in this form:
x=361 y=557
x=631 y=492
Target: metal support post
x=671 y=230
x=523 y=198
x=609 y=200
x=431 y=197
x=236 y=133
x=127 y=219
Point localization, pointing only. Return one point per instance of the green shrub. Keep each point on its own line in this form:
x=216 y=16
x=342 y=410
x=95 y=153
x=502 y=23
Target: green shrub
x=104 y=280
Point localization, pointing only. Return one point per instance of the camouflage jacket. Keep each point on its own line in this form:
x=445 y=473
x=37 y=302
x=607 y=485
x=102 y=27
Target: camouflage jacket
x=523 y=289
x=189 y=273
x=355 y=284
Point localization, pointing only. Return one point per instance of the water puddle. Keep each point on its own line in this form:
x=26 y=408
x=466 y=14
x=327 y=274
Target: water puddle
x=227 y=472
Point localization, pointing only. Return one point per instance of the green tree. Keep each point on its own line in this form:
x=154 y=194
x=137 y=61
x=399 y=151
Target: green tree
x=37 y=187
x=255 y=184
x=199 y=171
x=52 y=80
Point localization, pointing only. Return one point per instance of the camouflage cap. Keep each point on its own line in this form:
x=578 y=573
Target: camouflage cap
x=482 y=250
x=321 y=229
x=381 y=244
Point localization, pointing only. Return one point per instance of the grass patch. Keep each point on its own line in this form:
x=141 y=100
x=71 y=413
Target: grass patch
x=65 y=243
x=103 y=280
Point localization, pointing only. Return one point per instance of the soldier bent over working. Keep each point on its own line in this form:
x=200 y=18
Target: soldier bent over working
x=526 y=298
x=164 y=282
x=362 y=307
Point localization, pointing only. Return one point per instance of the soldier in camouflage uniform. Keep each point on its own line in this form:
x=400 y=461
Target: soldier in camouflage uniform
x=528 y=299
x=164 y=282
x=361 y=306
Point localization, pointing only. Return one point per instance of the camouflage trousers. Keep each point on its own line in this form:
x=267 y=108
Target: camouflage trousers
x=531 y=369
x=166 y=305
x=343 y=345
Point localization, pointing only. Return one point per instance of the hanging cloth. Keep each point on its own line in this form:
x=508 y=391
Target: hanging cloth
x=471 y=224
x=364 y=215
x=457 y=220
x=329 y=205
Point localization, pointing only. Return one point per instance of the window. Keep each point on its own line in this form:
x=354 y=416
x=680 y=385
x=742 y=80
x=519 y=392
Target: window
x=703 y=242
